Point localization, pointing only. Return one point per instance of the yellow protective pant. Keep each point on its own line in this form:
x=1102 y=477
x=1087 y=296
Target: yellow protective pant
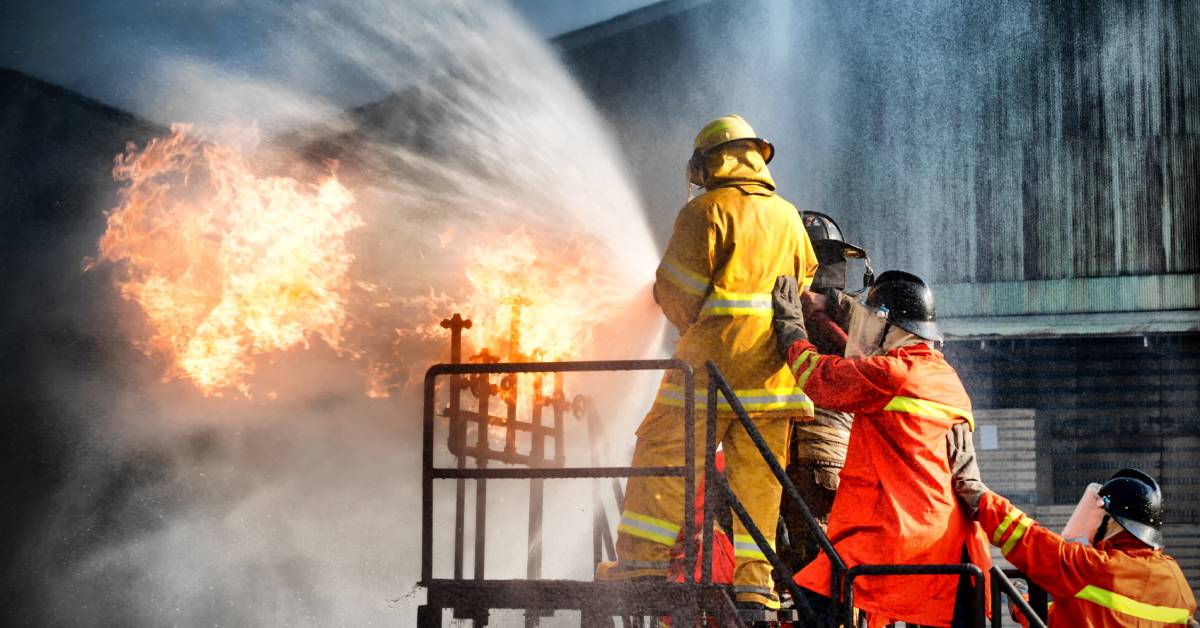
x=653 y=513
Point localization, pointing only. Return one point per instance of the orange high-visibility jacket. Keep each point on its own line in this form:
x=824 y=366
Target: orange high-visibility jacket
x=714 y=284
x=1120 y=582
x=895 y=504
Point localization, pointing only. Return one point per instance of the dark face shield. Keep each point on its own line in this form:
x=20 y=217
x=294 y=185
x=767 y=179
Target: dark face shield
x=837 y=261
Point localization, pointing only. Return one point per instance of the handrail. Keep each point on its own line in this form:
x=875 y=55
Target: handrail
x=1000 y=580
x=717 y=381
x=800 y=602
x=429 y=472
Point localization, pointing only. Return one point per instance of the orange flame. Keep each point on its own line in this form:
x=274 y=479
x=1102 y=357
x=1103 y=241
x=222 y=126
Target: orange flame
x=527 y=302
x=226 y=265
x=531 y=302
x=229 y=265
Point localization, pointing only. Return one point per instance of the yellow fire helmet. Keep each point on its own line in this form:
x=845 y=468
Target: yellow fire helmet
x=727 y=129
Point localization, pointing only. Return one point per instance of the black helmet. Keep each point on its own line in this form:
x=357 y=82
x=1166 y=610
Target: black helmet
x=909 y=303
x=1134 y=500
x=832 y=252
x=821 y=227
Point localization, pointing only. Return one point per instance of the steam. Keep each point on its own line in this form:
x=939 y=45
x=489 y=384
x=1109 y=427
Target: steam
x=187 y=510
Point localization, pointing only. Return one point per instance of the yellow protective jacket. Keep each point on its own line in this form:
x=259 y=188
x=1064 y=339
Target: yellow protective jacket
x=715 y=280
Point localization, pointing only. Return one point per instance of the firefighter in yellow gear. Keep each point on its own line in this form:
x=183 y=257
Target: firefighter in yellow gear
x=714 y=284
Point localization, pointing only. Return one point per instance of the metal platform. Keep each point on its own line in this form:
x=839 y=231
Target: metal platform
x=597 y=601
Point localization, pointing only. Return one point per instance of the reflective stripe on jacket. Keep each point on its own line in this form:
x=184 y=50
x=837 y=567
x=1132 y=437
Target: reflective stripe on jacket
x=1120 y=582
x=894 y=504
x=715 y=280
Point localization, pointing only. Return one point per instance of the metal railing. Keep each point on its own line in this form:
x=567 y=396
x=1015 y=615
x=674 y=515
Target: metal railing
x=845 y=601
x=549 y=594
x=1035 y=609
x=687 y=600
x=718 y=383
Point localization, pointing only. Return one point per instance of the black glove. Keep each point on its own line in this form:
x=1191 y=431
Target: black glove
x=789 y=314
x=965 y=469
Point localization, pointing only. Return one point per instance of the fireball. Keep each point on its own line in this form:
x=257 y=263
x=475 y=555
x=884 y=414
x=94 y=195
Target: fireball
x=226 y=264
x=230 y=265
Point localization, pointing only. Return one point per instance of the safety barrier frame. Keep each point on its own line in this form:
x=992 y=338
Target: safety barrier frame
x=682 y=600
x=718 y=384
x=845 y=601
x=1035 y=609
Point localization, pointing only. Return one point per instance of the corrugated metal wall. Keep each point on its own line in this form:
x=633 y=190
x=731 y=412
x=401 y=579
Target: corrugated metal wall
x=1052 y=140
x=1108 y=143
x=969 y=142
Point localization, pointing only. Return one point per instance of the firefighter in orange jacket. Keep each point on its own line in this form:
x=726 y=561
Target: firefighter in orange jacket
x=1122 y=579
x=818 y=449
x=714 y=284
x=895 y=503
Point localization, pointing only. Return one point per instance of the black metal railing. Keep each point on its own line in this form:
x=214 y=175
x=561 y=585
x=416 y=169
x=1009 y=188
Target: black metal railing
x=1035 y=610
x=718 y=383
x=438 y=589
x=845 y=601
x=685 y=601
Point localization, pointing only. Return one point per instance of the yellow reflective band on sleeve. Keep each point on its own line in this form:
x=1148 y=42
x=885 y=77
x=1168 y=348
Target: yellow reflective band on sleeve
x=1018 y=532
x=745 y=547
x=1003 y=527
x=753 y=399
x=725 y=303
x=924 y=407
x=810 y=358
x=1129 y=606
x=688 y=281
x=646 y=527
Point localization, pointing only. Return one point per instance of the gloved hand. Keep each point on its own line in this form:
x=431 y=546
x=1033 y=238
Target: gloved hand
x=814 y=302
x=968 y=486
x=1014 y=611
x=788 y=320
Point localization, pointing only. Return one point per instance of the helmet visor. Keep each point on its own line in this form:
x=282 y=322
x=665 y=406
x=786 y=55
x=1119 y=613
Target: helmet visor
x=864 y=336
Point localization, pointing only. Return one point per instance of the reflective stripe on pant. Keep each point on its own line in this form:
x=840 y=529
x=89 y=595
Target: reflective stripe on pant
x=654 y=505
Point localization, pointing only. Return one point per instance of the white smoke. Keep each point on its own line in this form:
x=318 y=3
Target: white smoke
x=185 y=510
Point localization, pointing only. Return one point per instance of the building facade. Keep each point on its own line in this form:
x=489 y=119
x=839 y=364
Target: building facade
x=1037 y=162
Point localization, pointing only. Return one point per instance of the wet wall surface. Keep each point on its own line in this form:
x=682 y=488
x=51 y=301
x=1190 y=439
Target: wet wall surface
x=970 y=142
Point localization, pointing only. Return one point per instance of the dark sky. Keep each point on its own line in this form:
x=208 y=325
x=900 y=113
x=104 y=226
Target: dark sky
x=105 y=49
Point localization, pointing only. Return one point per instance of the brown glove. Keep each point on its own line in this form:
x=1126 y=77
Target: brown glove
x=964 y=468
x=788 y=320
